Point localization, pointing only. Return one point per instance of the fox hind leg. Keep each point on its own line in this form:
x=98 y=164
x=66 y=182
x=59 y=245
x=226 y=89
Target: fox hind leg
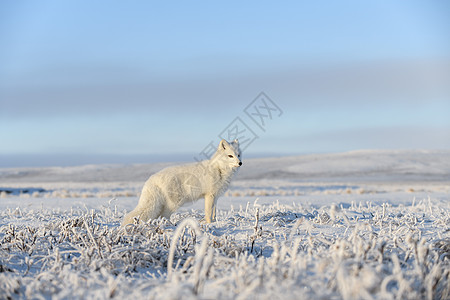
x=144 y=213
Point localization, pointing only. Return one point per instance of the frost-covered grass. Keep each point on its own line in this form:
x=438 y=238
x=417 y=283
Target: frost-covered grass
x=363 y=250
x=356 y=225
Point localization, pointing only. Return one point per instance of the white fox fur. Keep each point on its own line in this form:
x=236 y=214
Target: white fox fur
x=167 y=190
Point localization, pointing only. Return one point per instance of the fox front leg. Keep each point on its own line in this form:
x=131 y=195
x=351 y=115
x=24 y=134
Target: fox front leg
x=210 y=208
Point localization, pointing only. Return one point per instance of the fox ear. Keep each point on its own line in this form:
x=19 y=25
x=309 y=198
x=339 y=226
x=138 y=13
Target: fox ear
x=223 y=144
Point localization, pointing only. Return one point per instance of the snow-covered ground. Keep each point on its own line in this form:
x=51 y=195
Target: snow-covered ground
x=362 y=224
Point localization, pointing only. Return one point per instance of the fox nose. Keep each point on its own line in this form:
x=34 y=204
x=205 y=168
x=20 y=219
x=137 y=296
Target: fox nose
x=240 y=163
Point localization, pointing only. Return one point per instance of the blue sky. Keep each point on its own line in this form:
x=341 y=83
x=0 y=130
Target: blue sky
x=116 y=81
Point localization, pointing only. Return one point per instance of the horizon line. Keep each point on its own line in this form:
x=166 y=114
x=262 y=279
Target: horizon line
x=42 y=160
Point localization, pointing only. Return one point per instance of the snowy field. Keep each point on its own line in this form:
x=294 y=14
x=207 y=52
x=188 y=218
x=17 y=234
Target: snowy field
x=356 y=225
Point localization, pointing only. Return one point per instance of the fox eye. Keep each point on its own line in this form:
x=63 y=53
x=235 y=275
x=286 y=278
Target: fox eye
x=230 y=156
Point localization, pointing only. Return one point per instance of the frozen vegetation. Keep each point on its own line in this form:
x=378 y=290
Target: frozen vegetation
x=357 y=225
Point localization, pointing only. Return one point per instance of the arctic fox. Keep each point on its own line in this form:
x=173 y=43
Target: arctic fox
x=167 y=190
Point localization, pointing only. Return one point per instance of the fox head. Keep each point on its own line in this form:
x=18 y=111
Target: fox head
x=229 y=154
